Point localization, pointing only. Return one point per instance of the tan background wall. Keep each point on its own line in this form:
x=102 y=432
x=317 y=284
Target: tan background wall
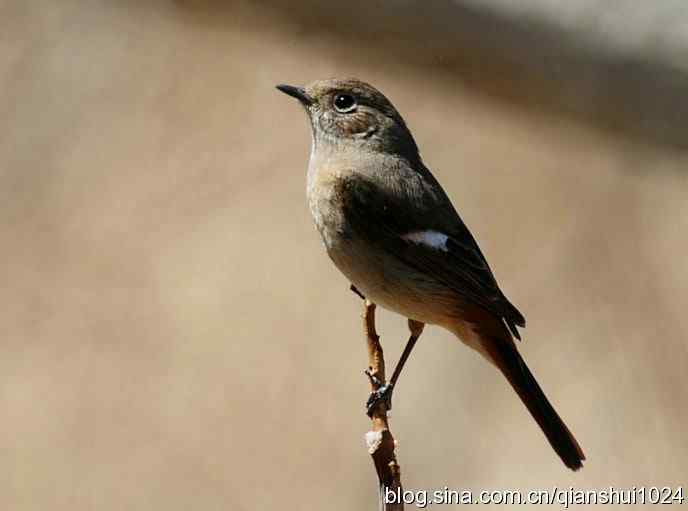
x=174 y=337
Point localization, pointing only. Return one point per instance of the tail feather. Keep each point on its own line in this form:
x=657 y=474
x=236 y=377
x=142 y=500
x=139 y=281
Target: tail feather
x=513 y=366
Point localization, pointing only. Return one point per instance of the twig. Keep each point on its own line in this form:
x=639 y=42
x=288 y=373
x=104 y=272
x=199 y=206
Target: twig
x=380 y=441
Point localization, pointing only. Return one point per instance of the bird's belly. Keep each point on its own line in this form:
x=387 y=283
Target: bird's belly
x=390 y=283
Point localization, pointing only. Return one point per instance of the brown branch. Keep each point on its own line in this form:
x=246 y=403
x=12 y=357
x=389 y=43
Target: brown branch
x=380 y=441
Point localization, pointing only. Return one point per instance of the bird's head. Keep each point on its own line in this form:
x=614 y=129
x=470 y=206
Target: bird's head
x=350 y=113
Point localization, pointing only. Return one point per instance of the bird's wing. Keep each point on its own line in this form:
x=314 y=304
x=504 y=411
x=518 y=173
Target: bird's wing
x=414 y=221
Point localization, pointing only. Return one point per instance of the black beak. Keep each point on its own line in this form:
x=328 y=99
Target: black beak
x=296 y=92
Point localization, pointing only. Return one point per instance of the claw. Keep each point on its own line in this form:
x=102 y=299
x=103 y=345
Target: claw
x=374 y=380
x=382 y=395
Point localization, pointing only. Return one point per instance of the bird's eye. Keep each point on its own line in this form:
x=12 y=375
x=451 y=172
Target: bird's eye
x=344 y=103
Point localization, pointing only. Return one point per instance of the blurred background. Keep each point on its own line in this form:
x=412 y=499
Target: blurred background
x=173 y=335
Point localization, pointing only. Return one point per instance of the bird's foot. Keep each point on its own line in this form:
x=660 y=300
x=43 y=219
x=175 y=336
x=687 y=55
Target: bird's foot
x=382 y=395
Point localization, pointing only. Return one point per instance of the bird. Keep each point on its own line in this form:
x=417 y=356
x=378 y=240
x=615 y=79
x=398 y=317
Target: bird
x=390 y=228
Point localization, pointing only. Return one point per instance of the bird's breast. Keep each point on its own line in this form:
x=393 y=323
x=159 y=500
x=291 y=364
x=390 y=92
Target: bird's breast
x=325 y=205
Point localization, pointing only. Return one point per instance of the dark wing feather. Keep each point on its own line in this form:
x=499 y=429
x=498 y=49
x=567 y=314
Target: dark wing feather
x=382 y=215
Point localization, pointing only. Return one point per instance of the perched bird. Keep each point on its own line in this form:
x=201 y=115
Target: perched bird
x=392 y=231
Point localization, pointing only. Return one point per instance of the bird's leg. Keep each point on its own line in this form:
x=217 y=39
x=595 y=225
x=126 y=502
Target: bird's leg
x=416 y=328
x=355 y=290
x=384 y=391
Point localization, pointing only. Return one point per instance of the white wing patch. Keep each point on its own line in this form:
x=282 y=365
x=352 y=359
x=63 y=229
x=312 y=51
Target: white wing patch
x=433 y=239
